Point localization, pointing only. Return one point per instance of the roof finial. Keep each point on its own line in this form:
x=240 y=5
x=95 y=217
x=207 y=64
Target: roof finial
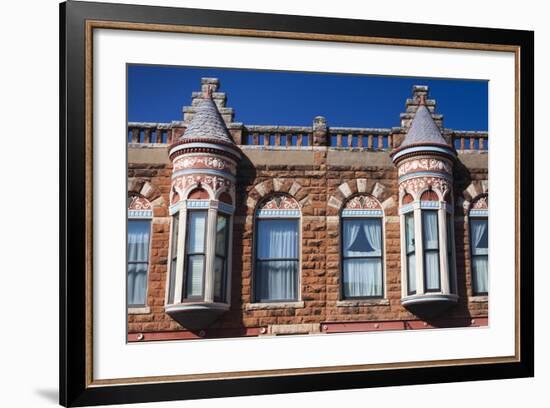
x=422 y=100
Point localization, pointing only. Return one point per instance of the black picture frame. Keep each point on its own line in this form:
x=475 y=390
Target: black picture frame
x=75 y=387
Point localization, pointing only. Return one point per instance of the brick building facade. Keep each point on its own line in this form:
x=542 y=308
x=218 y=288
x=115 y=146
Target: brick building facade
x=240 y=230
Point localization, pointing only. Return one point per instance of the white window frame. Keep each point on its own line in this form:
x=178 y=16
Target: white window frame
x=148 y=216
x=359 y=214
x=260 y=214
x=213 y=208
x=447 y=273
x=476 y=214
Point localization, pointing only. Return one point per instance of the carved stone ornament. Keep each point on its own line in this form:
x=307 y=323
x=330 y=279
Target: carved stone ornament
x=481 y=203
x=415 y=185
x=424 y=165
x=138 y=203
x=207 y=162
x=280 y=202
x=362 y=202
x=214 y=182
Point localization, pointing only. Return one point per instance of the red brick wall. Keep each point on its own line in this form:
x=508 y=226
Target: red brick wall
x=320 y=237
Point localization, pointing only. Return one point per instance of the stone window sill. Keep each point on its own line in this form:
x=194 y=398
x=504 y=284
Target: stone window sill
x=363 y=302
x=139 y=310
x=278 y=305
x=478 y=299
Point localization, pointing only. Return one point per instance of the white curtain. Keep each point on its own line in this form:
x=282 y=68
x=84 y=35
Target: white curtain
x=174 y=258
x=277 y=260
x=410 y=250
x=138 y=260
x=195 y=245
x=431 y=249
x=480 y=251
x=220 y=260
x=362 y=240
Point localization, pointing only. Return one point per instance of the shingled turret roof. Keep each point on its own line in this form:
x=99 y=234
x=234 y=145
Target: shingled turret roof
x=207 y=123
x=423 y=130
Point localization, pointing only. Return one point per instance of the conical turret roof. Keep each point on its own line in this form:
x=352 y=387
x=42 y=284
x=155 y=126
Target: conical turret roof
x=207 y=123
x=423 y=136
x=423 y=130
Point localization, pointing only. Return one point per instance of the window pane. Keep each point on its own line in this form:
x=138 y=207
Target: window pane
x=195 y=268
x=409 y=232
x=480 y=267
x=362 y=277
x=429 y=229
x=450 y=244
x=431 y=253
x=431 y=268
x=362 y=237
x=138 y=240
x=411 y=273
x=173 y=260
x=480 y=236
x=175 y=232
x=276 y=280
x=138 y=258
x=137 y=284
x=197 y=230
x=277 y=239
x=219 y=279
x=221 y=235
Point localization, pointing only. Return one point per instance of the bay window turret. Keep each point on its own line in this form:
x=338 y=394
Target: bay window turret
x=202 y=205
x=425 y=169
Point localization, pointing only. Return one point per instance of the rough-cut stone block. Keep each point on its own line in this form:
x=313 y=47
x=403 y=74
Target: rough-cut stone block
x=485 y=186
x=158 y=202
x=344 y=188
x=251 y=203
x=335 y=203
x=378 y=190
x=277 y=184
x=472 y=190
x=147 y=190
x=294 y=188
x=389 y=203
x=261 y=189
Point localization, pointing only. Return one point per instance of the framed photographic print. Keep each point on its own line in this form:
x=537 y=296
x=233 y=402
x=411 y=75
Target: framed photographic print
x=256 y=203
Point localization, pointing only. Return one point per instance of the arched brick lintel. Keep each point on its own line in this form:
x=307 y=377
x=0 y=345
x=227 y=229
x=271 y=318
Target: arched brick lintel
x=277 y=185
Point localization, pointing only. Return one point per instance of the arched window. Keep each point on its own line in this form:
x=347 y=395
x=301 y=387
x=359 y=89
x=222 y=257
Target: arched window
x=362 y=248
x=277 y=243
x=427 y=247
x=479 y=245
x=199 y=248
x=430 y=241
x=140 y=213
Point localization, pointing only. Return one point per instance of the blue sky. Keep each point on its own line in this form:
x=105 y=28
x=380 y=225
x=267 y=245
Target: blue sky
x=157 y=94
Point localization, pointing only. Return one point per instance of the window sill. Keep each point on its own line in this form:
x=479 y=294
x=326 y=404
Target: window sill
x=274 y=305
x=139 y=310
x=362 y=302
x=478 y=299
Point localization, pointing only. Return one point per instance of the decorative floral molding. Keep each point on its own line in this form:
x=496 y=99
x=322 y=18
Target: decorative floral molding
x=415 y=185
x=139 y=203
x=213 y=182
x=481 y=203
x=280 y=202
x=362 y=202
x=190 y=162
x=143 y=188
x=425 y=165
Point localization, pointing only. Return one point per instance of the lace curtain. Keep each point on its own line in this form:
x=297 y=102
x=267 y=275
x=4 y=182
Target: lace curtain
x=276 y=260
x=362 y=250
x=138 y=260
x=480 y=251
